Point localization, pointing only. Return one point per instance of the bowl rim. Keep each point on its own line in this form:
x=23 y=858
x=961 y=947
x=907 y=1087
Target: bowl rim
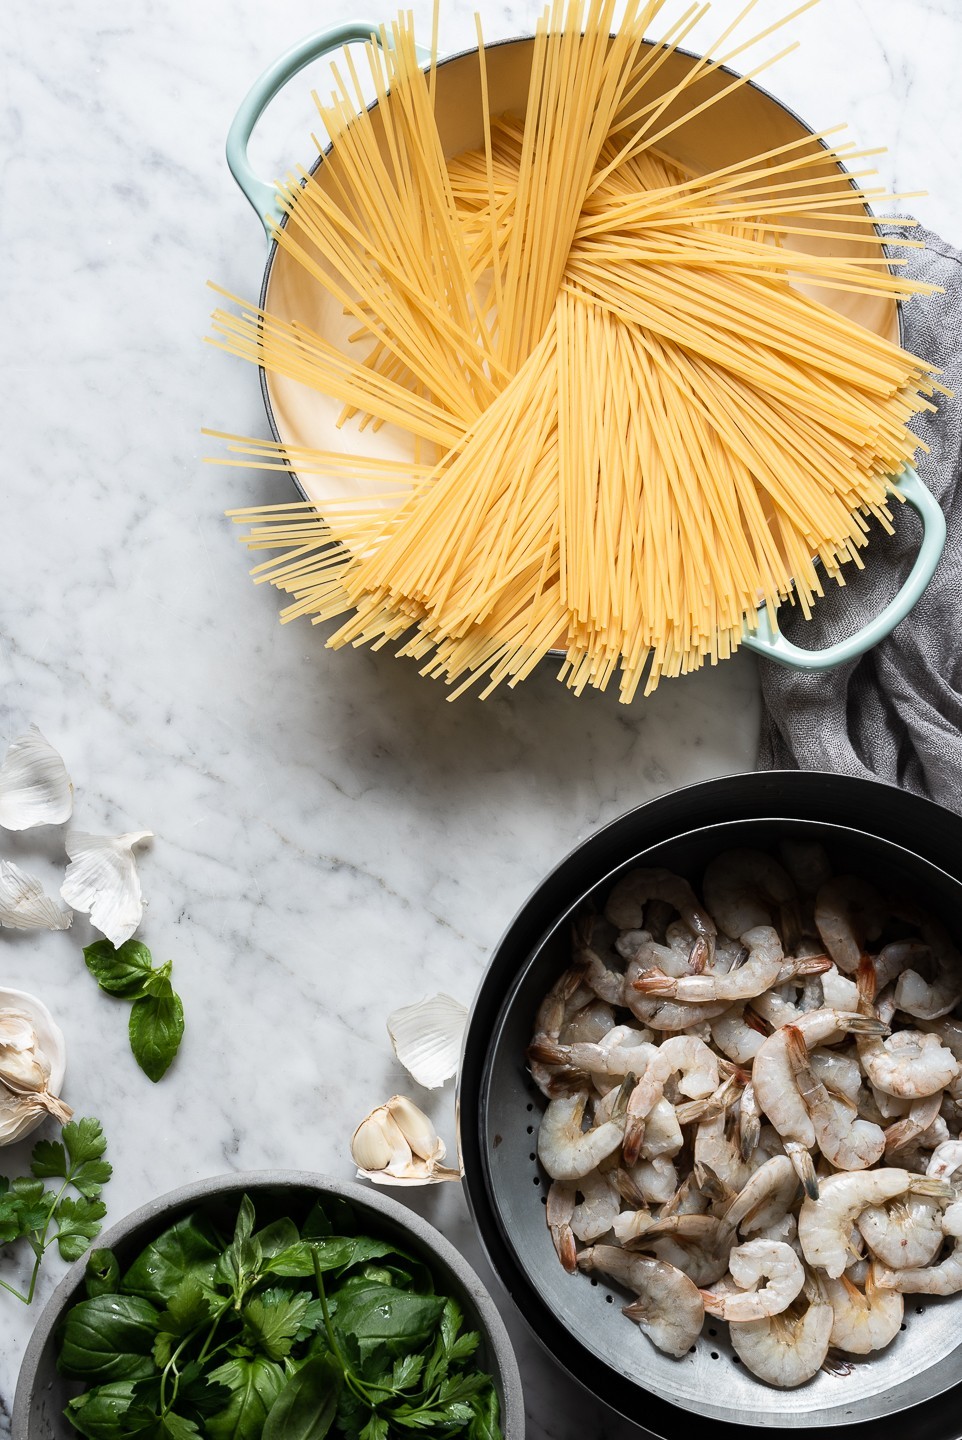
x=929 y=830
x=507 y=1375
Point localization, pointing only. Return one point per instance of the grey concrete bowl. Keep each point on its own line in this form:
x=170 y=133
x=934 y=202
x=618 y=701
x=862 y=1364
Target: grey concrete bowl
x=42 y=1393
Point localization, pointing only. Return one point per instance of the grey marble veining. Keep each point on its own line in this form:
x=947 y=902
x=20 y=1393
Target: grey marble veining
x=332 y=838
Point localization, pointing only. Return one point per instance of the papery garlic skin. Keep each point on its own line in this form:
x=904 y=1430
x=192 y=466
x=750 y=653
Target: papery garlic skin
x=35 y=788
x=397 y=1145
x=19 y=1114
x=102 y=881
x=427 y=1038
x=23 y=904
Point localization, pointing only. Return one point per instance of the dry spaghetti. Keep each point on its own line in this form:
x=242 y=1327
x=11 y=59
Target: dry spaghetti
x=632 y=423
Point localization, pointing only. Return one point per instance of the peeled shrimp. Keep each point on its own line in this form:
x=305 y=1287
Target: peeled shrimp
x=943 y=1279
x=567 y=1152
x=785 y=1350
x=683 y=958
x=825 y=1224
x=945 y=1160
x=765 y=1197
x=848 y=1143
x=905 y=1233
x=682 y=1055
x=931 y=999
x=648 y=1182
x=749 y=1123
x=588 y=1025
x=775 y=1086
x=749 y=1264
x=594 y=1214
x=922 y=1114
x=744 y=889
x=623 y=1051
x=668 y=1306
x=765 y=966
x=863 y=1320
x=737 y=1036
x=663 y=1134
x=625 y=907
x=849 y=913
x=908 y=1064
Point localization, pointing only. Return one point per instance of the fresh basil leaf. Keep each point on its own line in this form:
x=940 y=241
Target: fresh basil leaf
x=156 y=1028
x=486 y=1419
x=270 y=1325
x=296 y=1262
x=158 y=981
x=102 y=1276
x=119 y=971
x=306 y=1407
x=188 y=1308
x=196 y=1392
x=277 y=1237
x=109 y=1338
x=101 y=1414
x=380 y=1314
x=239 y=1265
x=78 y=1222
x=254 y=1385
x=190 y=1248
x=334 y=1217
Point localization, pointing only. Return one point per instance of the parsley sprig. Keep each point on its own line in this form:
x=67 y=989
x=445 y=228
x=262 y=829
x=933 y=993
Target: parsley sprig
x=32 y=1212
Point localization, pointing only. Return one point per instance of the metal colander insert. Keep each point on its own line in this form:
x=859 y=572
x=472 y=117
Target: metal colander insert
x=579 y=1318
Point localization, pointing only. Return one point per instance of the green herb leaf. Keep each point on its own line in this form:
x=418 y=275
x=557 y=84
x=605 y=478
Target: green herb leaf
x=156 y=1029
x=84 y=1140
x=109 y=1338
x=254 y=1386
x=486 y=1419
x=78 y=1222
x=305 y=1408
x=102 y=1276
x=49 y=1160
x=190 y=1248
x=407 y=1371
x=376 y=1428
x=102 y=1414
x=270 y=1324
x=119 y=971
x=380 y=1314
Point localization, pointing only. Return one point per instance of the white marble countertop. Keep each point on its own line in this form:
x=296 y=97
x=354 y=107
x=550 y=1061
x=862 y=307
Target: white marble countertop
x=332 y=838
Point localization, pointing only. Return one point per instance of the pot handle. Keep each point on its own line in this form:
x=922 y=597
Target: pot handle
x=768 y=640
x=262 y=196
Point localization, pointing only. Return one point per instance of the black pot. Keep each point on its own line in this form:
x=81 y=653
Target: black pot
x=891 y=837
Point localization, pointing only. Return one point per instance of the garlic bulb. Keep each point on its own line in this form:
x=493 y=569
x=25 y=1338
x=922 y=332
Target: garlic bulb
x=397 y=1145
x=33 y=1060
x=427 y=1038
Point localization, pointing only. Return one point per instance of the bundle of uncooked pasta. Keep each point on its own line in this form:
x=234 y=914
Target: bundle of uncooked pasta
x=631 y=424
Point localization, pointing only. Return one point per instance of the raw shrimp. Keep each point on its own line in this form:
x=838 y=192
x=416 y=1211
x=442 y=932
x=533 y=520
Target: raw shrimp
x=945 y=1160
x=839 y=1073
x=749 y=1123
x=765 y=966
x=749 y=1264
x=922 y=1114
x=849 y=913
x=948 y=1030
x=849 y=1144
x=567 y=1152
x=745 y=889
x=704 y=1267
x=738 y=1035
x=825 y=1224
x=682 y=1055
x=605 y=983
x=594 y=1214
x=943 y=1279
x=623 y=1051
x=775 y=1086
x=558 y=1211
x=625 y=907
x=649 y=1182
x=639 y=947
x=766 y=1196
x=668 y=1306
x=906 y=1232
x=662 y=1132
x=588 y=1025
x=931 y=999
x=785 y=1350
x=893 y=959
x=717 y=1156
x=908 y=1064
x=562 y=1001
x=863 y=1321
x=838 y=992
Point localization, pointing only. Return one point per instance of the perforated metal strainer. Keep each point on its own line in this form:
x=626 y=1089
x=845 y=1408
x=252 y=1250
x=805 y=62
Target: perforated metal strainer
x=896 y=840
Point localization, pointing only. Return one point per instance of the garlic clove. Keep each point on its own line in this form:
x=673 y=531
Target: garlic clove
x=22 y=1112
x=102 y=881
x=35 y=788
x=397 y=1145
x=23 y=904
x=427 y=1038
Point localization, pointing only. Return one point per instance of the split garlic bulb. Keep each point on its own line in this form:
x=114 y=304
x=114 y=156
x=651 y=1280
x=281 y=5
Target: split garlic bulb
x=397 y=1145
x=33 y=1059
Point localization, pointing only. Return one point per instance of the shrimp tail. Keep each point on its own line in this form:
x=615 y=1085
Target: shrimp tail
x=544 y=1051
x=804 y=1166
x=813 y=965
x=655 y=982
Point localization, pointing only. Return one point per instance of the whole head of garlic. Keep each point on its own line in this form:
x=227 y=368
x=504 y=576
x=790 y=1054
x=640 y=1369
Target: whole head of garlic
x=33 y=1060
x=397 y=1145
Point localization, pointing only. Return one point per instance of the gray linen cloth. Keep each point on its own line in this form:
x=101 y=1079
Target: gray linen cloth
x=896 y=713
